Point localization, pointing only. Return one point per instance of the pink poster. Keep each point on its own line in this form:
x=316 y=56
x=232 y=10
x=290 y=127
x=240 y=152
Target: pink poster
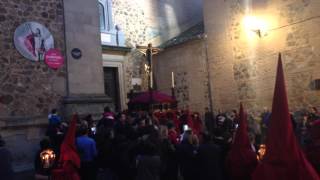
x=53 y=58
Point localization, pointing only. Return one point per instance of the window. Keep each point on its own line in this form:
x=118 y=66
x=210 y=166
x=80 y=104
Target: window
x=102 y=17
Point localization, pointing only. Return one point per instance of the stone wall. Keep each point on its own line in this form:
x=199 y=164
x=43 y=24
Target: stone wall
x=155 y=21
x=243 y=64
x=188 y=62
x=151 y=21
x=28 y=90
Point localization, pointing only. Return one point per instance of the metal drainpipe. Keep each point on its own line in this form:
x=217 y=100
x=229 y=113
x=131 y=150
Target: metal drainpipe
x=208 y=73
x=65 y=50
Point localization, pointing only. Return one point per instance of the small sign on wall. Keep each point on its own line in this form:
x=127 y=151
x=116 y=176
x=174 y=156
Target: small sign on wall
x=76 y=53
x=33 y=40
x=54 y=58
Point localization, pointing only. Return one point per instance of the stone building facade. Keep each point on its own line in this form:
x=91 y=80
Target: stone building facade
x=188 y=63
x=28 y=89
x=185 y=57
x=143 y=22
x=243 y=64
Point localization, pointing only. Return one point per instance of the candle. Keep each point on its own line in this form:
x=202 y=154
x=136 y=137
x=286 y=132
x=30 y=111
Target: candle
x=47 y=158
x=172 y=79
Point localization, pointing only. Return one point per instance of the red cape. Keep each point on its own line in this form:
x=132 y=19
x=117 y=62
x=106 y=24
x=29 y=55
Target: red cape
x=69 y=158
x=284 y=160
x=241 y=160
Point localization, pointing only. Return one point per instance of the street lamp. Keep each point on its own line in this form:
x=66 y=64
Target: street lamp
x=255 y=25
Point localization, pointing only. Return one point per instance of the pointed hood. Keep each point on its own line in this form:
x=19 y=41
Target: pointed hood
x=241 y=160
x=68 y=150
x=284 y=158
x=242 y=138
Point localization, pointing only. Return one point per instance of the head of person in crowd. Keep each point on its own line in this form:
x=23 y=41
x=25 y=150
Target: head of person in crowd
x=220 y=120
x=53 y=117
x=54 y=111
x=123 y=118
x=89 y=119
x=83 y=128
x=142 y=123
x=107 y=112
x=231 y=115
x=107 y=109
x=163 y=131
x=131 y=118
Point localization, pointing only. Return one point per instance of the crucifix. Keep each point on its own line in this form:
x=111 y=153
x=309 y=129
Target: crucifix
x=149 y=51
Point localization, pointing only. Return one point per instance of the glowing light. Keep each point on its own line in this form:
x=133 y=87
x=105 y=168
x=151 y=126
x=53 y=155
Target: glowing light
x=47 y=158
x=261 y=152
x=254 y=25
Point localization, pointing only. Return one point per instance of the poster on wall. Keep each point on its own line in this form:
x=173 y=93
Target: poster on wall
x=33 y=40
x=53 y=58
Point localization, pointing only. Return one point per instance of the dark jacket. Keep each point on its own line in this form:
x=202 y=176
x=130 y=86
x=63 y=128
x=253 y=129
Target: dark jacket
x=6 y=171
x=148 y=167
x=210 y=162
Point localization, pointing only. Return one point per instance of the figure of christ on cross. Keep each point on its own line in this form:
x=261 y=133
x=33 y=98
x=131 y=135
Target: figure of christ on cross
x=149 y=51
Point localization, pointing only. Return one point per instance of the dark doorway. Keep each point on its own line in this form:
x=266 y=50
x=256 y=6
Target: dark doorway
x=111 y=85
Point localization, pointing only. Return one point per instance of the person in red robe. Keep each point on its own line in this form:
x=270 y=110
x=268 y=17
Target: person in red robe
x=172 y=134
x=241 y=160
x=284 y=160
x=197 y=124
x=69 y=158
x=176 y=122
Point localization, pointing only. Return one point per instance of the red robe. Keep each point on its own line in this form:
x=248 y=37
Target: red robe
x=197 y=125
x=176 y=122
x=284 y=160
x=241 y=160
x=69 y=158
x=173 y=137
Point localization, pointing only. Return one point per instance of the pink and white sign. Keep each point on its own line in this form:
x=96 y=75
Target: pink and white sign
x=53 y=58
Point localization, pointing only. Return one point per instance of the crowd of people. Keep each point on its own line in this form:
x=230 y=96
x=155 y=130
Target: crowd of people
x=167 y=145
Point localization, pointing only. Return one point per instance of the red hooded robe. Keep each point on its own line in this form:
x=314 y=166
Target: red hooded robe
x=241 y=160
x=197 y=124
x=284 y=160
x=69 y=158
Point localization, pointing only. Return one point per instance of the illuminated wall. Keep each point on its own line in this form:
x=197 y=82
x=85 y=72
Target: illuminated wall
x=155 y=21
x=188 y=63
x=243 y=64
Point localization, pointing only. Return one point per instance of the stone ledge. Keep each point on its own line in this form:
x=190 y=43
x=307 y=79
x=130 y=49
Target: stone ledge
x=116 y=48
x=22 y=122
x=86 y=100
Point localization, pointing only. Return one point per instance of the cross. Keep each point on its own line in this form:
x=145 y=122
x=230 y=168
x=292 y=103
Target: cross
x=149 y=51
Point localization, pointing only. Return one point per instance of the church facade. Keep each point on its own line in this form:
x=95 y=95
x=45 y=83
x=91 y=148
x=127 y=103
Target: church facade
x=97 y=40
x=215 y=54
